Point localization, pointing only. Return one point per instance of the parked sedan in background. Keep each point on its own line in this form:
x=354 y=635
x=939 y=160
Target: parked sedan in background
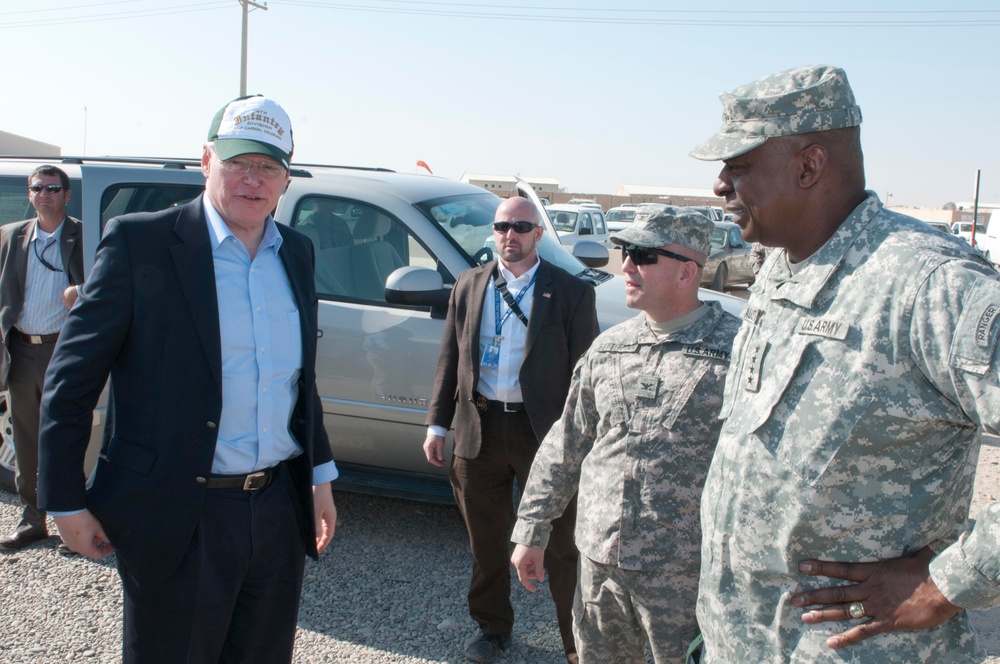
x=578 y=222
x=620 y=218
x=729 y=263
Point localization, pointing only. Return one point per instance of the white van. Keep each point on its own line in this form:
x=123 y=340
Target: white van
x=989 y=242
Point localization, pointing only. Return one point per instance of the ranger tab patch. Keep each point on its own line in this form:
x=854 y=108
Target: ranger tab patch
x=823 y=327
x=984 y=325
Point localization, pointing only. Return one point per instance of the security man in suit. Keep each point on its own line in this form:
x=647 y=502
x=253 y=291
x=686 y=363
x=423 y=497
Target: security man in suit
x=41 y=264
x=515 y=329
x=214 y=478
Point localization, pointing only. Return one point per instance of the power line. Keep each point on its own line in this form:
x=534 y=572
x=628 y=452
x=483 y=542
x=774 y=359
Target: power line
x=116 y=16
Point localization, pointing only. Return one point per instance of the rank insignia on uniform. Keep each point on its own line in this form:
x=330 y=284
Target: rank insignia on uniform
x=752 y=314
x=647 y=386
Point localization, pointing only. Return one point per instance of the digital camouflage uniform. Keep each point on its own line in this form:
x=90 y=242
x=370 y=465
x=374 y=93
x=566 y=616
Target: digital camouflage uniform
x=853 y=411
x=860 y=381
x=636 y=437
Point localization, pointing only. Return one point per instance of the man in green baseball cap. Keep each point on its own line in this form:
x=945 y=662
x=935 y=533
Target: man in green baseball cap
x=864 y=373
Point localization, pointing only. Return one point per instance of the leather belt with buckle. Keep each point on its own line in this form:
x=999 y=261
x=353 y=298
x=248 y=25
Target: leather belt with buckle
x=506 y=407
x=250 y=482
x=34 y=339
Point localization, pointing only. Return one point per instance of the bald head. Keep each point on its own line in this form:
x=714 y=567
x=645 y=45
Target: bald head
x=517 y=207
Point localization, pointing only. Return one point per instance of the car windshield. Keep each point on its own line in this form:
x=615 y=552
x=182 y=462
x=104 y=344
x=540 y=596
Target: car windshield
x=620 y=215
x=467 y=220
x=718 y=238
x=563 y=220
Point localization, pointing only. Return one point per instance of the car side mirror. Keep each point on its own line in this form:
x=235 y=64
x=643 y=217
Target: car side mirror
x=418 y=287
x=591 y=254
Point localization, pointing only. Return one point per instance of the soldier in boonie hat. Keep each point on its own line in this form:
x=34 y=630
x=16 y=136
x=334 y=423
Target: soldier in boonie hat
x=659 y=225
x=795 y=101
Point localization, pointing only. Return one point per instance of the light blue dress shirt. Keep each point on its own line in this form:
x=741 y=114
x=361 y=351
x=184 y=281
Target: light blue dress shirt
x=261 y=353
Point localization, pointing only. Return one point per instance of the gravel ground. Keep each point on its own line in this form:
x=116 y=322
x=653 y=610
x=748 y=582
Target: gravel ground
x=390 y=589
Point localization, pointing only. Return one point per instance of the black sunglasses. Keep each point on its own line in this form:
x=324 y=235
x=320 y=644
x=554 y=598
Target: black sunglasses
x=51 y=188
x=518 y=226
x=648 y=255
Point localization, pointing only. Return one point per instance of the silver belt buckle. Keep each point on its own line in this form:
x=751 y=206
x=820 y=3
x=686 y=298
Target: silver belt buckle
x=251 y=483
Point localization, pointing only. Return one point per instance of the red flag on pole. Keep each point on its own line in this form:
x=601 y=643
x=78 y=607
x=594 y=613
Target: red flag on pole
x=423 y=164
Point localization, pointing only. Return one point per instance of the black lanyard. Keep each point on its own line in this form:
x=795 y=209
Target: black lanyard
x=41 y=256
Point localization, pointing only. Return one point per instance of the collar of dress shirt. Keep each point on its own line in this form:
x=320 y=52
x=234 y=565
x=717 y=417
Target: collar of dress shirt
x=219 y=231
x=42 y=235
x=509 y=277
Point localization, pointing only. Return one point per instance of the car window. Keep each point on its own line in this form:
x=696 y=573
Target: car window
x=735 y=239
x=122 y=199
x=563 y=220
x=718 y=238
x=357 y=247
x=14 y=205
x=621 y=215
x=599 y=223
x=586 y=225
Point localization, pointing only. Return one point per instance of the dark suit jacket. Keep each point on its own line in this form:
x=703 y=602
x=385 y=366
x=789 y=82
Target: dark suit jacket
x=149 y=315
x=15 y=240
x=561 y=326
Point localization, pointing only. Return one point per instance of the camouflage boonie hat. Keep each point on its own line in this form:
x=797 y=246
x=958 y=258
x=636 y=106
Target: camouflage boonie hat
x=796 y=101
x=656 y=225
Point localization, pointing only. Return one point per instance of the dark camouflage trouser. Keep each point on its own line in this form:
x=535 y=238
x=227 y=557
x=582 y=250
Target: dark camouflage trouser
x=618 y=612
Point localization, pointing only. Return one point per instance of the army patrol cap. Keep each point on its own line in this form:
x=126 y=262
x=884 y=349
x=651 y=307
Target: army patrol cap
x=657 y=225
x=796 y=101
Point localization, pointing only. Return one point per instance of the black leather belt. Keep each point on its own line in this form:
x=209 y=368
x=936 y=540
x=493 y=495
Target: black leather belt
x=249 y=482
x=34 y=339
x=505 y=406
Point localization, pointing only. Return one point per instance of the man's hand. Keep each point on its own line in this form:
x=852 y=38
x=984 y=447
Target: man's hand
x=69 y=296
x=84 y=534
x=896 y=595
x=529 y=562
x=326 y=515
x=434 y=449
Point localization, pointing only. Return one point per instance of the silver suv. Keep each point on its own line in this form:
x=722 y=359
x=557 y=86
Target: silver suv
x=389 y=247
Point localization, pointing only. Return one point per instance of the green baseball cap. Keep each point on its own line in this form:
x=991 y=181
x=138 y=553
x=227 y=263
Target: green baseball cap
x=796 y=101
x=655 y=225
x=252 y=125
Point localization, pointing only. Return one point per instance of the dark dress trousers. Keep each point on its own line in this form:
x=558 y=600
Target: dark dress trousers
x=493 y=448
x=25 y=382
x=149 y=317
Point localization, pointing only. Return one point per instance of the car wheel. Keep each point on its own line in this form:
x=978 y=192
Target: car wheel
x=721 y=277
x=6 y=445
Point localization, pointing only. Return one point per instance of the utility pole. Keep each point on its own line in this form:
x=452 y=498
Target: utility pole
x=246 y=4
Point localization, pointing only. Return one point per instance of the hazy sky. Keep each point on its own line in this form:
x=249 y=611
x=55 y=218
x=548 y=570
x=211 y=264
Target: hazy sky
x=594 y=94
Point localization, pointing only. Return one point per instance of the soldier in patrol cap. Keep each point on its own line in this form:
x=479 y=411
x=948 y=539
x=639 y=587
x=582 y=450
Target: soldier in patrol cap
x=863 y=376
x=635 y=437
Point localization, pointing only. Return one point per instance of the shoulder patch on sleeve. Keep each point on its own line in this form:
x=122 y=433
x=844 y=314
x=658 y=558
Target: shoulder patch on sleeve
x=976 y=335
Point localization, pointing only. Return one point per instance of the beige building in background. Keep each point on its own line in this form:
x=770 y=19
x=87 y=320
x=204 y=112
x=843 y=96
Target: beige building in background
x=12 y=144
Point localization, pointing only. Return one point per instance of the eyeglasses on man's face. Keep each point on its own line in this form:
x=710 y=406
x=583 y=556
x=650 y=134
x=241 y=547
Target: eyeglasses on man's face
x=650 y=255
x=518 y=226
x=268 y=170
x=51 y=188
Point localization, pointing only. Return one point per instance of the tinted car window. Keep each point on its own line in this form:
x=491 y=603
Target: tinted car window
x=718 y=238
x=735 y=239
x=122 y=199
x=357 y=247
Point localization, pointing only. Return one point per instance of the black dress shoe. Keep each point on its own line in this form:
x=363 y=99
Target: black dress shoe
x=487 y=648
x=18 y=541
